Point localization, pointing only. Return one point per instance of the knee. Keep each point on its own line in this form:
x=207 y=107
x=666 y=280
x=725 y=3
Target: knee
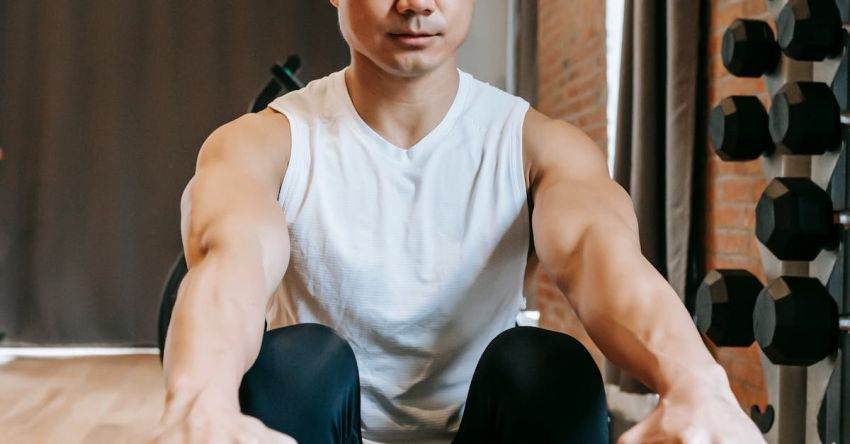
x=314 y=344
x=306 y=352
x=303 y=374
x=524 y=358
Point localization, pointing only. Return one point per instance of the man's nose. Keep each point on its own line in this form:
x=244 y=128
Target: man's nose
x=421 y=7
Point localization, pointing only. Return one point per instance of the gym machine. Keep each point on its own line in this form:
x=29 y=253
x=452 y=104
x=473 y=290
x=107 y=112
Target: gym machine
x=800 y=318
x=284 y=79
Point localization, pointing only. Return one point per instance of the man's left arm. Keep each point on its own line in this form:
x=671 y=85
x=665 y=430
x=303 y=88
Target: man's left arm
x=586 y=237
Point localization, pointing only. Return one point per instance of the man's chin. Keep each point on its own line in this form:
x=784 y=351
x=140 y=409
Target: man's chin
x=413 y=67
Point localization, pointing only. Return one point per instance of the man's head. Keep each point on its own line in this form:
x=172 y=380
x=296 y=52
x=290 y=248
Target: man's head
x=405 y=37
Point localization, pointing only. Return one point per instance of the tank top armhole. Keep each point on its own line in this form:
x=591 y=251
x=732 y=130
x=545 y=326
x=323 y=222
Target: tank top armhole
x=293 y=167
x=518 y=122
x=520 y=111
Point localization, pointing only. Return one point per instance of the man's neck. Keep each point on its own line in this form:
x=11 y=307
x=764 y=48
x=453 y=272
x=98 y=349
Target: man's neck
x=402 y=110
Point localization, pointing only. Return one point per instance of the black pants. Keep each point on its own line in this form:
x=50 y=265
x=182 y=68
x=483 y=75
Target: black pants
x=530 y=386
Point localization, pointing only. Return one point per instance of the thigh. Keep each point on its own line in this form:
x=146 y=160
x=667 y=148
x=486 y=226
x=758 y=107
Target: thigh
x=535 y=385
x=305 y=383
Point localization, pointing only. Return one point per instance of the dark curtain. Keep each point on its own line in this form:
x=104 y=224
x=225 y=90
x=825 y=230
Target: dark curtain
x=659 y=133
x=103 y=106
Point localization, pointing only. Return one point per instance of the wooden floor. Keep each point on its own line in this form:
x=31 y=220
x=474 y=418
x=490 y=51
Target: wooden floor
x=98 y=399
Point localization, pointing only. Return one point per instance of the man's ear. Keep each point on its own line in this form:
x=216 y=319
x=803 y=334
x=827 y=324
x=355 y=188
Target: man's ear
x=335 y=3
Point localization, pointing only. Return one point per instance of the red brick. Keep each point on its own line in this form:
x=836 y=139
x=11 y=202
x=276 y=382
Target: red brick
x=724 y=15
x=734 y=216
x=725 y=240
x=739 y=189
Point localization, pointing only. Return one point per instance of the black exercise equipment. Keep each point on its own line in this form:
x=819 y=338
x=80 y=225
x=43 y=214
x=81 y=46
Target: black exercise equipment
x=724 y=307
x=805 y=119
x=795 y=219
x=284 y=78
x=763 y=420
x=749 y=48
x=796 y=321
x=810 y=30
x=739 y=129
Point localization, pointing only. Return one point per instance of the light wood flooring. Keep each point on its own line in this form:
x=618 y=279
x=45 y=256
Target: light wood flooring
x=98 y=399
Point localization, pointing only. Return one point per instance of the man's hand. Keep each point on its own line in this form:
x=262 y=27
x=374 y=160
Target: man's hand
x=696 y=417
x=206 y=421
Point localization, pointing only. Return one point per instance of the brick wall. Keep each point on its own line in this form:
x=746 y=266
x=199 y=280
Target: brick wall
x=732 y=192
x=572 y=86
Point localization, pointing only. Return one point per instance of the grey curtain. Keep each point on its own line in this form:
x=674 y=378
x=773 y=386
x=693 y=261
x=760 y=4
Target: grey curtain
x=660 y=131
x=103 y=106
x=526 y=51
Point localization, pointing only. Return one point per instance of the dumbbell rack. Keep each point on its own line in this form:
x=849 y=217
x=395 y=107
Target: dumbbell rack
x=808 y=398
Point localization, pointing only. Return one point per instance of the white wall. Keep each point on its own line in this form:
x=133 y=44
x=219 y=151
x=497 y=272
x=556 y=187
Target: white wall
x=485 y=54
x=614 y=38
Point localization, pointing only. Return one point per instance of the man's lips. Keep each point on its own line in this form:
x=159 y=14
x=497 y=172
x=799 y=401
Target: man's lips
x=412 y=38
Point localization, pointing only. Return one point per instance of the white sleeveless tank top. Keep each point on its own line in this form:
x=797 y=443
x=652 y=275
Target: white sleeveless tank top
x=415 y=256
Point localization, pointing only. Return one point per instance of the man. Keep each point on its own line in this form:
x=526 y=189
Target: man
x=394 y=202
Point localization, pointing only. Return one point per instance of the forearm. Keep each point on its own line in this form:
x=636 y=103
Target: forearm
x=636 y=318
x=216 y=327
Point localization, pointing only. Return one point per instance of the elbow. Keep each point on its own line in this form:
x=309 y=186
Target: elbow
x=190 y=231
x=607 y=275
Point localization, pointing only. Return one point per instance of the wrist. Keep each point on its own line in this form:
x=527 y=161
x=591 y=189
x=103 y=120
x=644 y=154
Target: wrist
x=186 y=395
x=710 y=380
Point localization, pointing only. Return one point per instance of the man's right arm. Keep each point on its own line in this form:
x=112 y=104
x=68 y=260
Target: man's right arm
x=237 y=248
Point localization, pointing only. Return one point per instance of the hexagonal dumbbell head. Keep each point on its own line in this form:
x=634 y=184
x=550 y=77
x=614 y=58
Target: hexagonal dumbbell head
x=739 y=129
x=795 y=321
x=724 y=307
x=805 y=119
x=810 y=30
x=749 y=48
x=795 y=219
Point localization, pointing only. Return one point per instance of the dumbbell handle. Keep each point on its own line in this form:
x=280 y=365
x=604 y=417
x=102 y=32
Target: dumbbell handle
x=842 y=218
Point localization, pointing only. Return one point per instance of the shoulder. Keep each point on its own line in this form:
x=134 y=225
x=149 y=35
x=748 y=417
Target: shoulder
x=489 y=106
x=258 y=144
x=556 y=150
x=318 y=98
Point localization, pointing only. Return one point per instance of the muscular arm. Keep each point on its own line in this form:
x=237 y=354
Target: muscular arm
x=237 y=249
x=586 y=236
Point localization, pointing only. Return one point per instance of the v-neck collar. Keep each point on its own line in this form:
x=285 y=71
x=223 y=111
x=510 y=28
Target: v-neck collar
x=424 y=144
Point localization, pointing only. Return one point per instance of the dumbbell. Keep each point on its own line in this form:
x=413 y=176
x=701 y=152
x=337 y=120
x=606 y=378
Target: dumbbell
x=749 y=48
x=795 y=219
x=810 y=30
x=804 y=119
x=724 y=306
x=739 y=129
x=796 y=321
